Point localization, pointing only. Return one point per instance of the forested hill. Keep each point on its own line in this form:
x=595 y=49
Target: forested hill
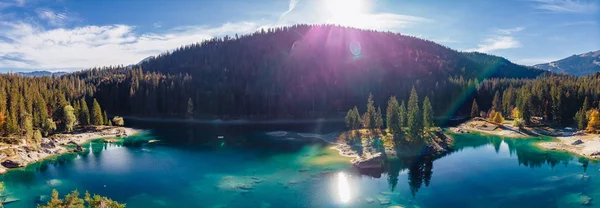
x=291 y=72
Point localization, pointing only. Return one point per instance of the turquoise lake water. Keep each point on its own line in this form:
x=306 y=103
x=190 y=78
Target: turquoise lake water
x=284 y=165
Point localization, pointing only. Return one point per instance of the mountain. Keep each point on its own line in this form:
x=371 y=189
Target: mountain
x=579 y=65
x=297 y=71
x=40 y=73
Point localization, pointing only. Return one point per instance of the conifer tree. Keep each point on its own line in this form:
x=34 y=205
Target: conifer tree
x=393 y=116
x=402 y=114
x=414 y=114
x=378 y=119
x=96 y=115
x=356 y=121
x=84 y=113
x=105 y=118
x=427 y=114
x=369 y=116
x=474 y=109
x=497 y=102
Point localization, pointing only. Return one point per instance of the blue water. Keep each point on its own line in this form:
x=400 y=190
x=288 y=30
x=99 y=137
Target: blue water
x=284 y=165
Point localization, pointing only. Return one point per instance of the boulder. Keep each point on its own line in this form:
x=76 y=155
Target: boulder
x=48 y=145
x=577 y=142
x=374 y=161
x=597 y=153
x=13 y=164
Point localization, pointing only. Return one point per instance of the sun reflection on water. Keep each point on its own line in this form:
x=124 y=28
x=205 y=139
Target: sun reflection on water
x=343 y=187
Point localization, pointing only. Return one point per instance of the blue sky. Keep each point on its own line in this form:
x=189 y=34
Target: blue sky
x=67 y=35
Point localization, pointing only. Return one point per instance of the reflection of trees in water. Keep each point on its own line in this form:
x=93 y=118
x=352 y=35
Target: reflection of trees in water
x=530 y=156
x=420 y=168
x=419 y=172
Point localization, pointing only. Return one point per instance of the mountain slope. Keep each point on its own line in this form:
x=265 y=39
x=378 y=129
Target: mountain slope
x=579 y=65
x=298 y=71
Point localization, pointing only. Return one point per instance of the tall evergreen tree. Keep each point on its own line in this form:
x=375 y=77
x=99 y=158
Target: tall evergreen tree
x=497 y=102
x=414 y=123
x=378 y=119
x=427 y=114
x=474 y=109
x=105 y=118
x=393 y=116
x=96 y=116
x=369 y=116
x=402 y=114
x=84 y=113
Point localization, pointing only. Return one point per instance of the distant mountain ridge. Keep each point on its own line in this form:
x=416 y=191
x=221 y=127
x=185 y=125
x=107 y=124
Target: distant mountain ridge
x=578 y=65
x=40 y=73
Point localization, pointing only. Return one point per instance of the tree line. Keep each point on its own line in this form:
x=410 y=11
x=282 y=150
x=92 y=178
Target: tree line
x=407 y=123
x=31 y=108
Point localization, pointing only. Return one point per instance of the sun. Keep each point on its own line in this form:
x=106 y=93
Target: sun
x=345 y=12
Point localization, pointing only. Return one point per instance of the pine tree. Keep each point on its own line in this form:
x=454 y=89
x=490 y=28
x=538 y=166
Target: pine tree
x=402 y=115
x=581 y=119
x=414 y=115
x=349 y=119
x=356 y=121
x=427 y=114
x=393 y=116
x=497 y=102
x=378 y=119
x=84 y=113
x=369 y=116
x=48 y=126
x=105 y=118
x=96 y=116
x=474 y=109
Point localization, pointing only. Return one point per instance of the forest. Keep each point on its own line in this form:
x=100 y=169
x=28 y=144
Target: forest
x=294 y=72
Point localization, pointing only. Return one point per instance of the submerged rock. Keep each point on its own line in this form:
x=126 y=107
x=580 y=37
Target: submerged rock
x=383 y=200
x=53 y=183
x=370 y=200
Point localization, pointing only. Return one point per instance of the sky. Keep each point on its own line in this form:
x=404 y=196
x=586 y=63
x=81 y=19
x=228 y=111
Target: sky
x=70 y=35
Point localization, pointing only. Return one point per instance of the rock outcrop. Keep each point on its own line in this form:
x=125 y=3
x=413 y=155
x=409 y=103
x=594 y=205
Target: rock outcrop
x=374 y=161
x=13 y=163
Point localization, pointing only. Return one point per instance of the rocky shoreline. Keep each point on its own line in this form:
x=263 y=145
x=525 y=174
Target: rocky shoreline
x=566 y=139
x=17 y=156
x=366 y=157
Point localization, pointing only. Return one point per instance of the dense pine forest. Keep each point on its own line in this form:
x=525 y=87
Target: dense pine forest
x=293 y=72
x=34 y=107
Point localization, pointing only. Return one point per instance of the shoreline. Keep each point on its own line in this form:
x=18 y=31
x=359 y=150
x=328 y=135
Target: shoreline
x=20 y=156
x=565 y=139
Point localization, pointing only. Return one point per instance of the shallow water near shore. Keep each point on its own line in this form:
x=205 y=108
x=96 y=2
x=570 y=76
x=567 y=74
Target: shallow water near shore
x=270 y=165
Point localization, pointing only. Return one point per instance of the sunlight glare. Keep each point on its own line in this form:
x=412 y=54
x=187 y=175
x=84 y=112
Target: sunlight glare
x=345 y=12
x=343 y=187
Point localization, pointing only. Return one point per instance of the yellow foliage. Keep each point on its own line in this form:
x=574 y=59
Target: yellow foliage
x=491 y=115
x=2 y=119
x=498 y=118
x=515 y=113
x=594 y=121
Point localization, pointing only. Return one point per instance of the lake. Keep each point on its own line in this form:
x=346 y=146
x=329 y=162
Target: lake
x=287 y=165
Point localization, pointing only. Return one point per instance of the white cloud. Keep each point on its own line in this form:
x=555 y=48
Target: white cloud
x=11 y=3
x=291 y=7
x=573 y=6
x=56 y=19
x=509 y=30
x=28 y=46
x=500 y=40
x=497 y=43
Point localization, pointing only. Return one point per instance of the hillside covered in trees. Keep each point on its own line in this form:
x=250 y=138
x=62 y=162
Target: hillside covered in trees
x=294 y=72
x=299 y=72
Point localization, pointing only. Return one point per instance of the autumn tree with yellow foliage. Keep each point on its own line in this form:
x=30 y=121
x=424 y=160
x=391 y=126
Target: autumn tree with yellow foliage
x=594 y=121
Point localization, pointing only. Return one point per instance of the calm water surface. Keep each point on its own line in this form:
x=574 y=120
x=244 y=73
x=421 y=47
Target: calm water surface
x=285 y=165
